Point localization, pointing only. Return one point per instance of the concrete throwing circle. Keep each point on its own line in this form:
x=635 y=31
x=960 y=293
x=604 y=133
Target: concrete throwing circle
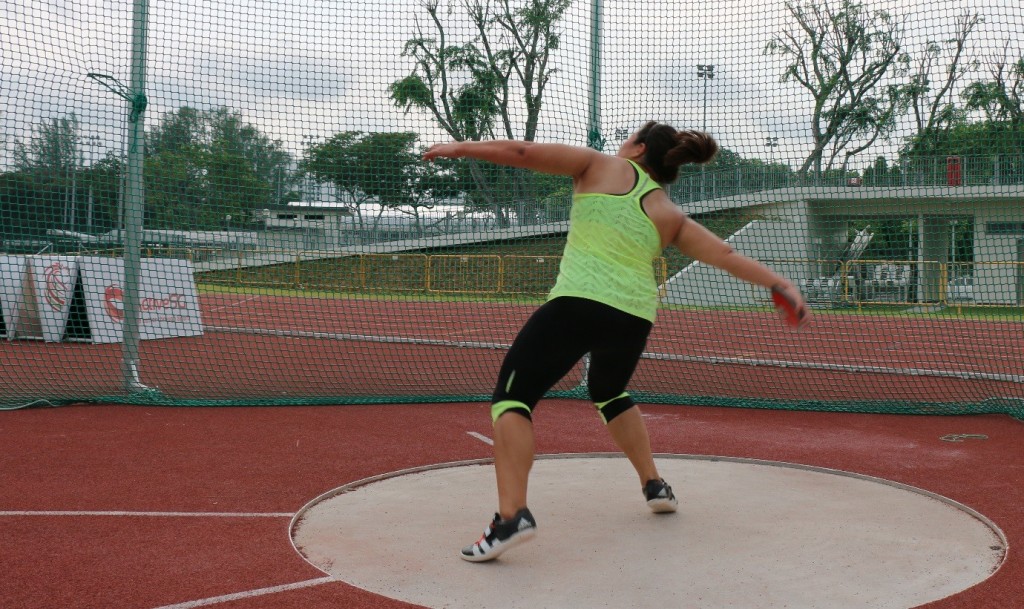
x=747 y=534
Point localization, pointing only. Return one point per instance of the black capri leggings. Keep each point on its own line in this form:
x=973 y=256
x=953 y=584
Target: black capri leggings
x=558 y=335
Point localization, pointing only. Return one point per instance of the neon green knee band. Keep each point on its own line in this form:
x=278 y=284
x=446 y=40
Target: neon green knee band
x=617 y=411
x=500 y=408
x=600 y=405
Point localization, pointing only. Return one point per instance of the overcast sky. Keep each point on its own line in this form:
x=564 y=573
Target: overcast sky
x=311 y=68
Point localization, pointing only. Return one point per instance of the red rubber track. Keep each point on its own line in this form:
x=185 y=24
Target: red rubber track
x=273 y=460
x=279 y=347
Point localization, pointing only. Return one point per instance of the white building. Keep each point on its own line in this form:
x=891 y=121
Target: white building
x=802 y=222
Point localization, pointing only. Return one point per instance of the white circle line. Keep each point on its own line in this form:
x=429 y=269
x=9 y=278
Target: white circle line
x=146 y=514
x=1004 y=542
x=213 y=600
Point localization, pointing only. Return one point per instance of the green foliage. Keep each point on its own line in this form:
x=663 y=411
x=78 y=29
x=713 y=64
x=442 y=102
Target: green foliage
x=473 y=90
x=183 y=129
x=929 y=93
x=174 y=190
x=1001 y=98
x=730 y=173
x=52 y=148
x=102 y=181
x=410 y=92
x=985 y=138
x=53 y=187
x=29 y=203
x=880 y=173
x=842 y=56
x=381 y=167
x=203 y=167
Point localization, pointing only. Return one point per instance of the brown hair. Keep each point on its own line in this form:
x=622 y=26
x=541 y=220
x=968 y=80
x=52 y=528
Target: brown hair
x=668 y=148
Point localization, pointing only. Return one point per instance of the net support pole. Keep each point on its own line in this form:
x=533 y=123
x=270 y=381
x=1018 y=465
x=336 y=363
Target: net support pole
x=135 y=200
x=594 y=138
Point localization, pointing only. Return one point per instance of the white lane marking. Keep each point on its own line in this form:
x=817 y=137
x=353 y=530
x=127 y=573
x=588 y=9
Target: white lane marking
x=157 y=514
x=481 y=437
x=235 y=304
x=213 y=600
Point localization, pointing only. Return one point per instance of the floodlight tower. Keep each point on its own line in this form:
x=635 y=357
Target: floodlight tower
x=705 y=72
x=594 y=138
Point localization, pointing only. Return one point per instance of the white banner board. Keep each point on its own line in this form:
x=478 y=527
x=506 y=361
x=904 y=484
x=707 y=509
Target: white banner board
x=13 y=270
x=51 y=287
x=168 y=304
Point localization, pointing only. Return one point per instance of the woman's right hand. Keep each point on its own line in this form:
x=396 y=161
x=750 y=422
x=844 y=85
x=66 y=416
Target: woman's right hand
x=790 y=304
x=448 y=151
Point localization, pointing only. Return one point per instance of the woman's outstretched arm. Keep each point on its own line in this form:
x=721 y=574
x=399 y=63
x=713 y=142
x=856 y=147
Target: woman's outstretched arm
x=558 y=159
x=697 y=242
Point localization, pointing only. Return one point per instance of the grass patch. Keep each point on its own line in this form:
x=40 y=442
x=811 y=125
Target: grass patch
x=206 y=288
x=974 y=312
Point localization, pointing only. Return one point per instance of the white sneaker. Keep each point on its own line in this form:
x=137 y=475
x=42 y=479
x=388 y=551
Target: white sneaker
x=659 y=497
x=501 y=535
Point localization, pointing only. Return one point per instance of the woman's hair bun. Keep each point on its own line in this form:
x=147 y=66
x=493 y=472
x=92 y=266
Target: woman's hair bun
x=668 y=148
x=692 y=147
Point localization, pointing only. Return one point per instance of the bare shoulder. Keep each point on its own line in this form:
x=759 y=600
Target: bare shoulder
x=608 y=174
x=666 y=216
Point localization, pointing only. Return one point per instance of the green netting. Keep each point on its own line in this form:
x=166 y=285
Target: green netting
x=223 y=203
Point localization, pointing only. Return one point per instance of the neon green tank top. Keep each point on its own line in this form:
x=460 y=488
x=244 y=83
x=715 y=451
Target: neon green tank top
x=610 y=251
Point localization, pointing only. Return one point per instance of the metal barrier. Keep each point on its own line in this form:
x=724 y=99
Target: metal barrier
x=470 y=274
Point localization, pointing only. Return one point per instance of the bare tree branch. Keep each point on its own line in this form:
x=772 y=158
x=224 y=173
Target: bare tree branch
x=841 y=56
x=932 y=105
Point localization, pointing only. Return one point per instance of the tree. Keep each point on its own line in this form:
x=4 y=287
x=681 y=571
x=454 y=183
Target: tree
x=1002 y=97
x=470 y=88
x=183 y=129
x=995 y=142
x=104 y=178
x=52 y=156
x=842 y=57
x=266 y=158
x=29 y=205
x=880 y=173
x=931 y=101
x=992 y=147
x=56 y=184
x=175 y=191
x=203 y=167
x=234 y=187
x=728 y=174
x=342 y=160
x=52 y=147
x=379 y=168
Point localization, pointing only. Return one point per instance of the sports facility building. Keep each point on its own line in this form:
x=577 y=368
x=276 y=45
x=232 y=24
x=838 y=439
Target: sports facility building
x=803 y=227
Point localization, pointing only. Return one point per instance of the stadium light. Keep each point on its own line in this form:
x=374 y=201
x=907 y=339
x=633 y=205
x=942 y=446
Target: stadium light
x=705 y=72
x=772 y=143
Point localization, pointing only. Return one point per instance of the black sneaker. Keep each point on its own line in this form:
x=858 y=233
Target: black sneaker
x=659 y=496
x=501 y=535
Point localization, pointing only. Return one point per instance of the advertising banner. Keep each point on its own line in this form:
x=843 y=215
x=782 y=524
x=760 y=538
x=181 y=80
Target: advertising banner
x=168 y=304
x=12 y=288
x=51 y=286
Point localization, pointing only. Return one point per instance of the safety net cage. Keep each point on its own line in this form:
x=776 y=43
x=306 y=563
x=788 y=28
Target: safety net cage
x=224 y=203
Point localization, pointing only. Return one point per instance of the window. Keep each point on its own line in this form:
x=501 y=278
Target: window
x=286 y=216
x=1004 y=228
x=314 y=216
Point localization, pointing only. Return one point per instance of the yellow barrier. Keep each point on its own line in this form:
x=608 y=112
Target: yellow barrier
x=856 y=283
x=475 y=274
x=911 y=282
